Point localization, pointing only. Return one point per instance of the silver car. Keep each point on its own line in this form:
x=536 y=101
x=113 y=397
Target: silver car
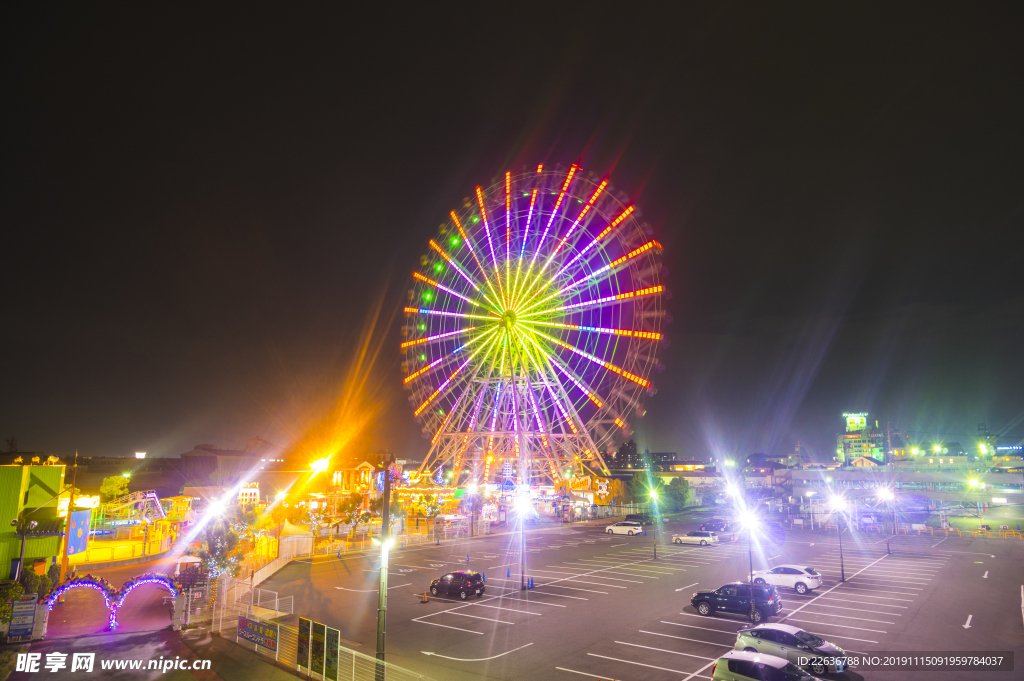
x=701 y=537
x=793 y=644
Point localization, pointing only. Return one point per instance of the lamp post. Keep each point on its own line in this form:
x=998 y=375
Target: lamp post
x=22 y=527
x=887 y=495
x=385 y=542
x=839 y=505
x=654 y=500
x=747 y=518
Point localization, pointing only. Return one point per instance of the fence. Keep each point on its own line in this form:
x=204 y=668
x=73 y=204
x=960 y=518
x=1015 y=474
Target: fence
x=352 y=665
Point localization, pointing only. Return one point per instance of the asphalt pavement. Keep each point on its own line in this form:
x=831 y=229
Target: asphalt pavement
x=604 y=607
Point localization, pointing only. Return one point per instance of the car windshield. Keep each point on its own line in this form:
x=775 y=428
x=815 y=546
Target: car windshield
x=810 y=571
x=810 y=639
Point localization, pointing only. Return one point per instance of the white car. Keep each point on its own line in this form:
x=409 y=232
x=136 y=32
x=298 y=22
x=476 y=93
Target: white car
x=738 y=665
x=702 y=537
x=625 y=527
x=797 y=577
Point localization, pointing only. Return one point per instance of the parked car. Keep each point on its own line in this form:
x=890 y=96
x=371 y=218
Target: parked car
x=715 y=526
x=802 y=579
x=464 y=583
x=737 y=665
x=702 y=537
x=792 y=643
x=642 y=518
x=625 y=527
x=735 y=598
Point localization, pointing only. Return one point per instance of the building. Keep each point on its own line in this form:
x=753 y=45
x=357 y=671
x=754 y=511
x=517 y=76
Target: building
x=860 y=439
x=29 y=493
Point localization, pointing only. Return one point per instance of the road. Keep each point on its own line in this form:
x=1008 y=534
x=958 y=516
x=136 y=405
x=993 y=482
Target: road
x=604 y=607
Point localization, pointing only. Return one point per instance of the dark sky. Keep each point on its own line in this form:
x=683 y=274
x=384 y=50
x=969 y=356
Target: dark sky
x=209 y=216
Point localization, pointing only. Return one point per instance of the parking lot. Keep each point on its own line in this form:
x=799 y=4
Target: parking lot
x=604 y=607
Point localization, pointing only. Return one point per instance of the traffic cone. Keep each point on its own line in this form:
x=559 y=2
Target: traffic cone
x=467 y=557
x=484 y=577
x=508 y=572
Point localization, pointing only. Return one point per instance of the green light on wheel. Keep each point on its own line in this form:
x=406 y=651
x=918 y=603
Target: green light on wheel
x=428 y=295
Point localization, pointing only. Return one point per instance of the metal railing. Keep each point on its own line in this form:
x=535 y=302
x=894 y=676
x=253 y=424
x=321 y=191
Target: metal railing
x=351 y=665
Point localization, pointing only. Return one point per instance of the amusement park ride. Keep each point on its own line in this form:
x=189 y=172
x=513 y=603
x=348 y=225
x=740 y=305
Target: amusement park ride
x=532 y=329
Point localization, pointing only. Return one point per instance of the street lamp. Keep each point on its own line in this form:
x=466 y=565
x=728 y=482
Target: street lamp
x=654 y=500
x=748 y=520
x=23 y=527
x=382 y=594
x=839 y=505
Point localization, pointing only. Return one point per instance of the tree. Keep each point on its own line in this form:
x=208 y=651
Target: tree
x=677 y=492
x=113 y=487
x=641 y=484
x=11 y=591
x=35 y=584
x=221 y=555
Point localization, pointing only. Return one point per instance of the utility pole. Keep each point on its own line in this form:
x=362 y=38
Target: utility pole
x=386 y=459
x=67 y=524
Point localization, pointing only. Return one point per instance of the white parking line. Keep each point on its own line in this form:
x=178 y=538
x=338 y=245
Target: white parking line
x=880 y=591
x=845 y=617
x=848 y=638
x=847 y=600
x=562 y=572
x=477 y=617
x=662 y=650
x=548 y=593
x=841 y=626
x=877 y=612
x=498 y=607
x=593 y=676
x=884 y=598
x=811 y=601
x=573 y=588
x=435 y=624
x=641 y=664
x=693 y=626
x=682 y=638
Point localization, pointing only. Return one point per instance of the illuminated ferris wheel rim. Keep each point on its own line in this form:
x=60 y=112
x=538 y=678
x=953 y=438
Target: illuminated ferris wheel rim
x=546 y=286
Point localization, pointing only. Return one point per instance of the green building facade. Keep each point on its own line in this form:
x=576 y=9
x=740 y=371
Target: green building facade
x=29 y=492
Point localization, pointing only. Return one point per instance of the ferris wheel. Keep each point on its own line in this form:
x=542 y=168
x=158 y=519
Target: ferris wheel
x=532 y=329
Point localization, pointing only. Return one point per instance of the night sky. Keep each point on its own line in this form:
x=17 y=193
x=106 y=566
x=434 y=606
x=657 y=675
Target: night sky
x=209 y=218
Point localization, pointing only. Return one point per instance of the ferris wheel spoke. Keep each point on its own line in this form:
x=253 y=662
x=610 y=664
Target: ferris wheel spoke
x=445 y=313
x=596 y=360
x=583 y=305
x=525 y=238
x=540 y=243
x=592 y=277
x=596 y=242
x=587 y=391
x=443 y=387
x=490 y=244
x=430 y=282
x=447 y=358
x=436 y=337
x=650 y=335
x=458 y=268
x=472 y=251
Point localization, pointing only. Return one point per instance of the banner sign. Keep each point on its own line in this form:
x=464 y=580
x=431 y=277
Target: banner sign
x=23 y=618
x=303 y=645
x=331 y=660
x=78 y=531
x=260 y=633
x=317 y=649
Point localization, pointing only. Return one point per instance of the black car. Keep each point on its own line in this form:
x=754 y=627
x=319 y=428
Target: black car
x=642 y=518
x=735 y=598
x=463 y=584
x=715 y=526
